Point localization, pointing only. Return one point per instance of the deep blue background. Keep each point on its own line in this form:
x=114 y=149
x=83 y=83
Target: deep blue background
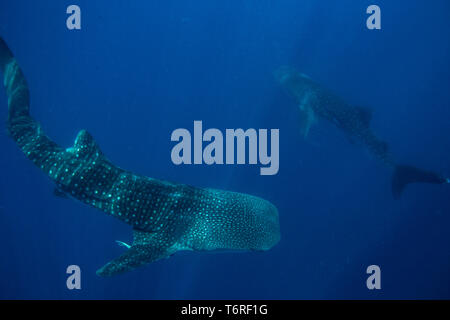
x=140 y=69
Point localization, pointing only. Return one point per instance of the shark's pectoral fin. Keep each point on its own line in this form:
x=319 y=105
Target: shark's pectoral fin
x=123 y=244
x=307 y=118
x=147 y=247
x=135 y=256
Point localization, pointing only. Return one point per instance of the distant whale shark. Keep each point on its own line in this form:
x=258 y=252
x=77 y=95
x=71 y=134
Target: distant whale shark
x=314 y=101
x=165 y=217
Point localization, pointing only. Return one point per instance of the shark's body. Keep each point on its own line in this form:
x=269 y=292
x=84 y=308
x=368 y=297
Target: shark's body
x=165 y=217
x=315 y=101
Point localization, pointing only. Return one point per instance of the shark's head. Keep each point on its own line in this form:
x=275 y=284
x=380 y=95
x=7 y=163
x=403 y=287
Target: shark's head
x=283 y=74
x=295 y=83
x=288 y=76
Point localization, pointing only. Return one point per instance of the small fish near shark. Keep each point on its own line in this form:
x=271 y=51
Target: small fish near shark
x=166 y=217
x=315 y=101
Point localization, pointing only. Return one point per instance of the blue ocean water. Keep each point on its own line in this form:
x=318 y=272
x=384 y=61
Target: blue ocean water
x=138 y=70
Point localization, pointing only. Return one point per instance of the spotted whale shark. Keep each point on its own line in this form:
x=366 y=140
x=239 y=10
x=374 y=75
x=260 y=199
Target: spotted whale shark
x=166 y=217
x=314 y=102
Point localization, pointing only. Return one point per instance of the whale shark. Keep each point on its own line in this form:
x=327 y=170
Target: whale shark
x=166 y=217
x=314 y=102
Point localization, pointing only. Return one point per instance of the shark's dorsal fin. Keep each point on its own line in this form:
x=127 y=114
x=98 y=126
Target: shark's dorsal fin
x=147 y=247
x=85 y=146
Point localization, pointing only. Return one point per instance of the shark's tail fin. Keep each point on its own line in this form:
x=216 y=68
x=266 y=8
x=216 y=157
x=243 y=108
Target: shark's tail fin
x=5 y=55
x=14 y=82
x=16 y=90
x=404 y=175
x=21 y=126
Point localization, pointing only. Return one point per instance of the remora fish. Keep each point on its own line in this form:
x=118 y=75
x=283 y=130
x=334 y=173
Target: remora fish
x=165 y=217
x=315 y=101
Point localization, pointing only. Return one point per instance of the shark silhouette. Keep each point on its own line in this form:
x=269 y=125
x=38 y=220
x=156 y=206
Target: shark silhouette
x=315 y=101
x=165 y=217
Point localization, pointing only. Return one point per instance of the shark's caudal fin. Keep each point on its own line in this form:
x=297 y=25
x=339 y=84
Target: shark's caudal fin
x=21 y=126
x=5 y=55
x=15 y=85
x=404 y=175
